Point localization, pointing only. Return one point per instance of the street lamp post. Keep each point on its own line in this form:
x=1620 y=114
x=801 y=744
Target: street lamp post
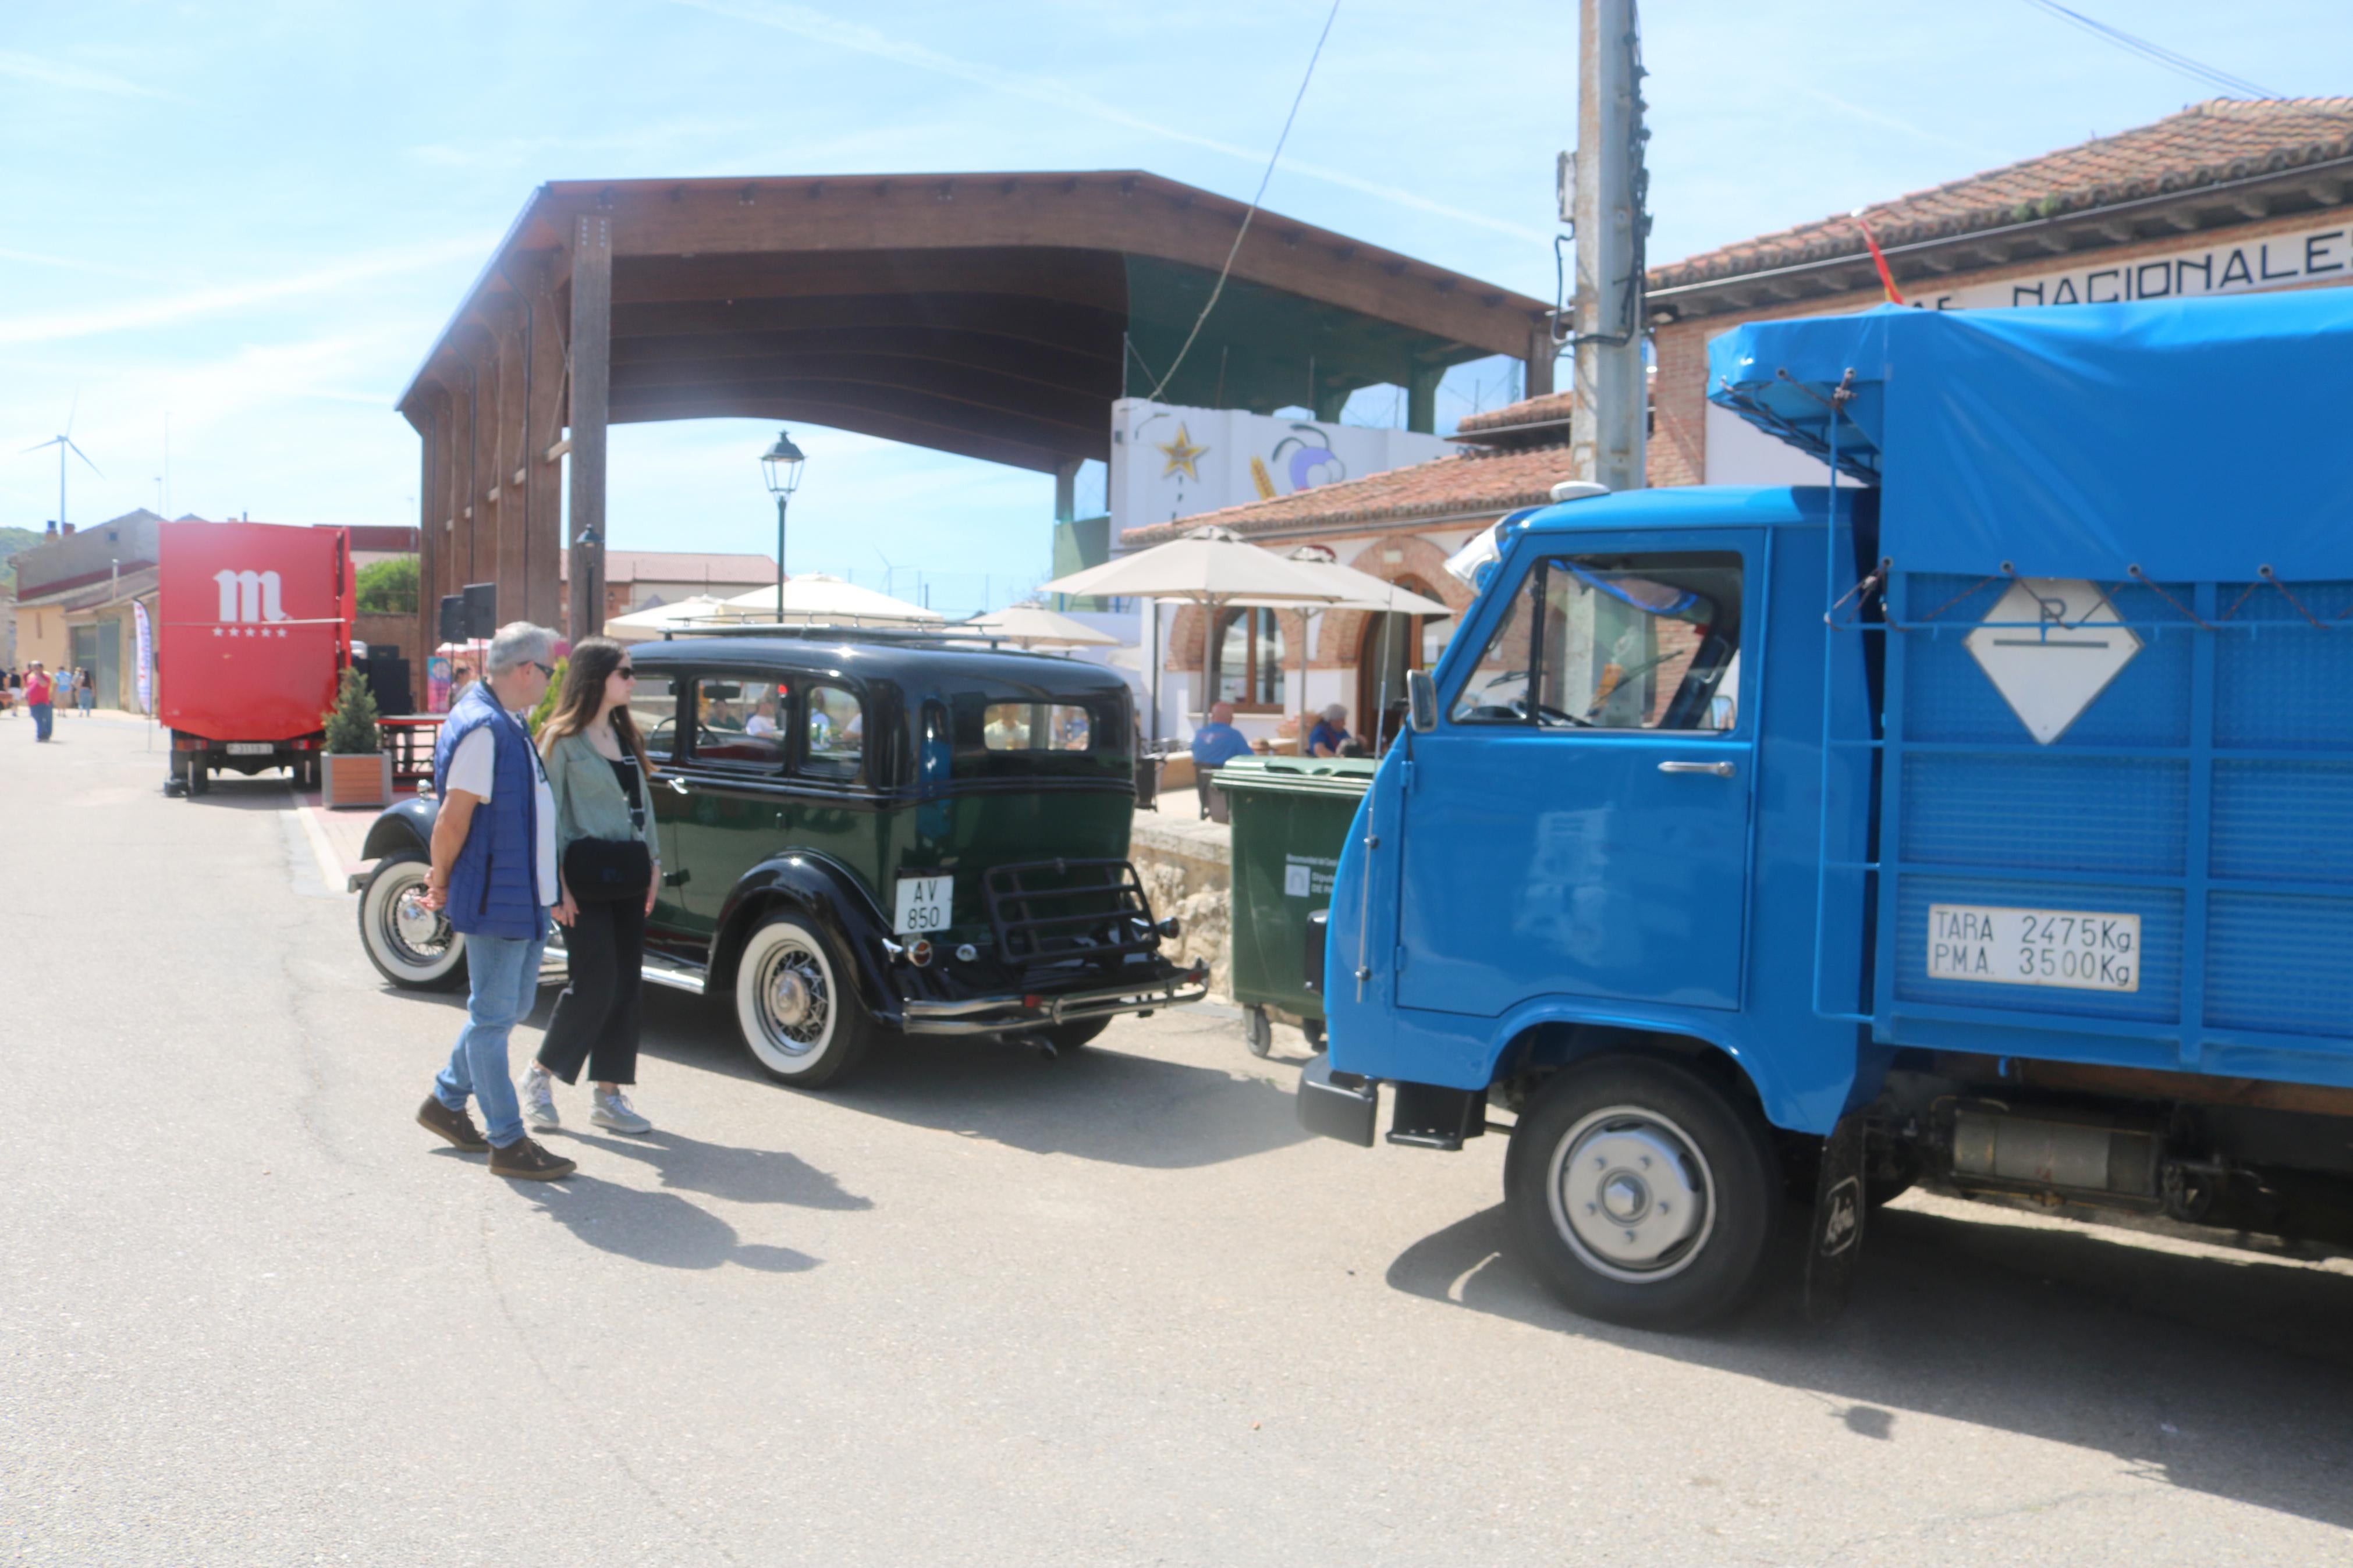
x=782 y=465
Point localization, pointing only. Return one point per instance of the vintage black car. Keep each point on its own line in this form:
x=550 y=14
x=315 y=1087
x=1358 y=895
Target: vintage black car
x=865 y=834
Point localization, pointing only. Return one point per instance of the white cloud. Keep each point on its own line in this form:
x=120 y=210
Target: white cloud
x=57 y=325
x=1904 y=126
x=75 y=78
x=805 y=22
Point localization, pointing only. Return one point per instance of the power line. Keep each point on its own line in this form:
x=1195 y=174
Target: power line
x=1273 y=158
x=2155 y=54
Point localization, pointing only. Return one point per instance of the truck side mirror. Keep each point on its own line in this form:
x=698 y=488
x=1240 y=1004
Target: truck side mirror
x=1422 y=700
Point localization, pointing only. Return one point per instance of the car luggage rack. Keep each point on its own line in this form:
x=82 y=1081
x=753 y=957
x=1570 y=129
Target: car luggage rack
x=1097 y=910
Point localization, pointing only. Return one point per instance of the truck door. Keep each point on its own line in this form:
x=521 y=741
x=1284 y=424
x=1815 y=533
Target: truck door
x=1578 y=820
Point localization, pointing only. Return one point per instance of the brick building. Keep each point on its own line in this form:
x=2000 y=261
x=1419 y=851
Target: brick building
x=2227 y=196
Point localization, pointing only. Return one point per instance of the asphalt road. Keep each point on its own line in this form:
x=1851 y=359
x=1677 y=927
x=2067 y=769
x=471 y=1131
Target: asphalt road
x=974 y=1308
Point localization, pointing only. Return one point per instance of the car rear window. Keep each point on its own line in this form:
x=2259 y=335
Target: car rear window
x=1020 y=737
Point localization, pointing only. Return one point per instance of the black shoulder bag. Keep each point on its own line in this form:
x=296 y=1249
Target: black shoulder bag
x=607 y=871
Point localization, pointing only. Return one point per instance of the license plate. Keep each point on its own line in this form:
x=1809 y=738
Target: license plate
x=2074 y=949
x=250 y=748
x=924 y=905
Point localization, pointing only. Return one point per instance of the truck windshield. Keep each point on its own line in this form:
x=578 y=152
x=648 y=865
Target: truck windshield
x=1617 y=642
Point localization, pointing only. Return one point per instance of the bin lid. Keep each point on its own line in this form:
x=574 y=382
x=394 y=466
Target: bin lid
x=1299 y=775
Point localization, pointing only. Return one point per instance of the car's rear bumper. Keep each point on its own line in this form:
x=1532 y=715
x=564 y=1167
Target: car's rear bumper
x=998 y=1015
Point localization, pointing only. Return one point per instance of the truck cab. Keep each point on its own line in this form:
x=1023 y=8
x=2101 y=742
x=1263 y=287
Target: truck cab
x=1759 y=845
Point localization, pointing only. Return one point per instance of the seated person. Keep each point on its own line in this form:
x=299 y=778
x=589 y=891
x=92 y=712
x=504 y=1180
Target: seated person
x=763 y=720
x=1218 y=743
x=1330 y=736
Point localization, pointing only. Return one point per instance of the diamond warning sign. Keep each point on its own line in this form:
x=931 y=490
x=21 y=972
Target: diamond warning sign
x=2050 y=647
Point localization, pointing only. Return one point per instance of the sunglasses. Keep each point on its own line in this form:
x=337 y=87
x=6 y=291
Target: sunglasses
x=546 y=670
x=627 y=672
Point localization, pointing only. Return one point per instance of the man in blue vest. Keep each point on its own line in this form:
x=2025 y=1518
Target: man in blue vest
x=494 y=874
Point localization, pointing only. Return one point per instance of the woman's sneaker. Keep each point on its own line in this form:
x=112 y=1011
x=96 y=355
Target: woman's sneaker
x=614 y=1112
x=539 y=1098
x=526 y=1161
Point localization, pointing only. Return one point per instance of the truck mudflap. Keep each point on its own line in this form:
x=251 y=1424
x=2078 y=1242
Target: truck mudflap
x=1337 y=1104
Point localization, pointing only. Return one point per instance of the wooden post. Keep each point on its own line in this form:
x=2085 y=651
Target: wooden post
x=1542 y=353
x=592 y=342
x=543 y=426
x=508 y=516
x=431 y=459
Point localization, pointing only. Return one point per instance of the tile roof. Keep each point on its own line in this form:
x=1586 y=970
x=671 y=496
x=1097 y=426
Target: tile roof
x=1470 y=482
x=678 y=566
x=1543 y=410
x=2207 y=144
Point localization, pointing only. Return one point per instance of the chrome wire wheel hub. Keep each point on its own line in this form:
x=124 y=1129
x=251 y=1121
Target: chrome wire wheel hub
x=794 y=996
x=420 y=933
x=1631 y=1194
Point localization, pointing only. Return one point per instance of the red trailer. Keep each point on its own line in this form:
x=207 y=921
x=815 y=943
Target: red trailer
x=256 y=631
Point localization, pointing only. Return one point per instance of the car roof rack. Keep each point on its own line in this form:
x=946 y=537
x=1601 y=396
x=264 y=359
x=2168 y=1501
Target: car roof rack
x=900 y=633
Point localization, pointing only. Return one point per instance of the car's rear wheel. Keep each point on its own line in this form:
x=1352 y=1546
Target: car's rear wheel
x=797 y=1005
x=1643 y=1192
x=409 y=944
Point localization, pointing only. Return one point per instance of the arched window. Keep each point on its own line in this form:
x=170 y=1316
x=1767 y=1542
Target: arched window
x=1248 y=670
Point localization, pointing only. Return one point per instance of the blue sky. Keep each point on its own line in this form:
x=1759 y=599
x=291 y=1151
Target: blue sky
x=250 y=220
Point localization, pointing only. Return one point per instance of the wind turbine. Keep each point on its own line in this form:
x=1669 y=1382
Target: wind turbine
x=64 y=443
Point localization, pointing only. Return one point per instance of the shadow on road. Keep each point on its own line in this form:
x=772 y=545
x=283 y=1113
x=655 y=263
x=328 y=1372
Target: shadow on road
x=660 y=1228
x=2227 y=1377
x=738 y=1176
x=1098 y=1103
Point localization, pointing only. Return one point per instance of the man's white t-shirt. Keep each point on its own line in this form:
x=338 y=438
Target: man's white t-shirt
x=472 y=767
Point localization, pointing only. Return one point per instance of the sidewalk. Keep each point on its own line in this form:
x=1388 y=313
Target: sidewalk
x=336 y=836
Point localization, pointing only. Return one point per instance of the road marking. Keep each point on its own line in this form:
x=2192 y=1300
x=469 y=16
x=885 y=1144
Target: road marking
x=331 y=866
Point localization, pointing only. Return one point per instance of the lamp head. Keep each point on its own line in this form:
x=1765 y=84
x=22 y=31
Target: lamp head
x=782 y=465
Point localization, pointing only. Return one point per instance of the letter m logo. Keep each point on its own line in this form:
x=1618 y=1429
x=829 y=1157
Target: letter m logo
x=249 y=596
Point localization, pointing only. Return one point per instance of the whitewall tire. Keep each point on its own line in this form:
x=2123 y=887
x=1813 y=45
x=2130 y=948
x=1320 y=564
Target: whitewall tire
x=796 y=1003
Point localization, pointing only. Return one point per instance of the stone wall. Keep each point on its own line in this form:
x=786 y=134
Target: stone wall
x=1185 y=865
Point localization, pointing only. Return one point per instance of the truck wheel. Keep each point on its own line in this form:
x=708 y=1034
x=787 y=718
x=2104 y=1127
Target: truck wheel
x=799 y=1011
x=409 y=944
x=1070 y=1036
x=1641 y=1193
x=200 y=778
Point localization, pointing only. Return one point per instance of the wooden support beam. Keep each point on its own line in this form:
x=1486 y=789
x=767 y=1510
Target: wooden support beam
x=430 y=460
x=1542 y=354
x=543 y=401
x=591 y=381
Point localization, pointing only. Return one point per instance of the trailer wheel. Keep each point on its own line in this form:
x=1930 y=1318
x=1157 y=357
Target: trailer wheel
x=797 y=1005
x=409 y=944
x=1642 y=1194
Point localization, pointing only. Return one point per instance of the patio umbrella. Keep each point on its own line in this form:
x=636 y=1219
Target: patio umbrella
x=690 y=615
x=1364 y=592
x=1034 y=626
x=1209 y=567
x=816 y=598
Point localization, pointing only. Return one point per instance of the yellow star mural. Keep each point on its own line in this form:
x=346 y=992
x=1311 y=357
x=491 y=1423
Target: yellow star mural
x=1182 y=456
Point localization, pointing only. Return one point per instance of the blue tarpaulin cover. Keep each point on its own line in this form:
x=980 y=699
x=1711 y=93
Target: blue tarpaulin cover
x=2196 y=439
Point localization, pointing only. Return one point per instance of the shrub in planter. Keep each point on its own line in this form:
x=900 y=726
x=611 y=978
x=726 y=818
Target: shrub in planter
x=356 y=771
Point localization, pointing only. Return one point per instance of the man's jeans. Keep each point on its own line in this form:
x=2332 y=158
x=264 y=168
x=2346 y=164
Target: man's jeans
x=502 y=975
x=41 y=711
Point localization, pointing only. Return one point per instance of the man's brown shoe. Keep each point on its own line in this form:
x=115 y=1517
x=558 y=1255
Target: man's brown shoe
x=527 y=1161
x=455 y=1125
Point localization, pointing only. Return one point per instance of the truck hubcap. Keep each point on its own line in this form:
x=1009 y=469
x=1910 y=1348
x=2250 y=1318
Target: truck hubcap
x=1632 y=1194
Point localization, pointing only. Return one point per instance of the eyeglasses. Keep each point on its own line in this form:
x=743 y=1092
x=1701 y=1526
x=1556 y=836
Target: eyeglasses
x=626 y=672
x=546 y=670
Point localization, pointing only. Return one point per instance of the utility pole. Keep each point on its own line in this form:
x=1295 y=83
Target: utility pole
x=1611 y=414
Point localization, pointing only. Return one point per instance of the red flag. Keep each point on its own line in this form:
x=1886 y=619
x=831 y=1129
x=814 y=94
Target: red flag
x=1886 y=278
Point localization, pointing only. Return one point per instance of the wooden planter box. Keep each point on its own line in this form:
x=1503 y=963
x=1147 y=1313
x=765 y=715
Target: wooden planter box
x=363 y=779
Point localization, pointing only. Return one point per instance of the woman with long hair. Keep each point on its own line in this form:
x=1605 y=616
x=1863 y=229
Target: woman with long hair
x=610 y=866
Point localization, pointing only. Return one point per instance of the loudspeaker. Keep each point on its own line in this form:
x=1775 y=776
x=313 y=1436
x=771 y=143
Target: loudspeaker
x=482 y=611
x=453 y=617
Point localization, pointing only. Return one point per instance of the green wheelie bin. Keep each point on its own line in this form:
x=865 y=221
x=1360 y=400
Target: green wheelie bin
x=1291 y=815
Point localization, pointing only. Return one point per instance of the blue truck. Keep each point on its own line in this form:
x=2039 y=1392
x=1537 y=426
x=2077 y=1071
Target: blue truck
x=1983 y=819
